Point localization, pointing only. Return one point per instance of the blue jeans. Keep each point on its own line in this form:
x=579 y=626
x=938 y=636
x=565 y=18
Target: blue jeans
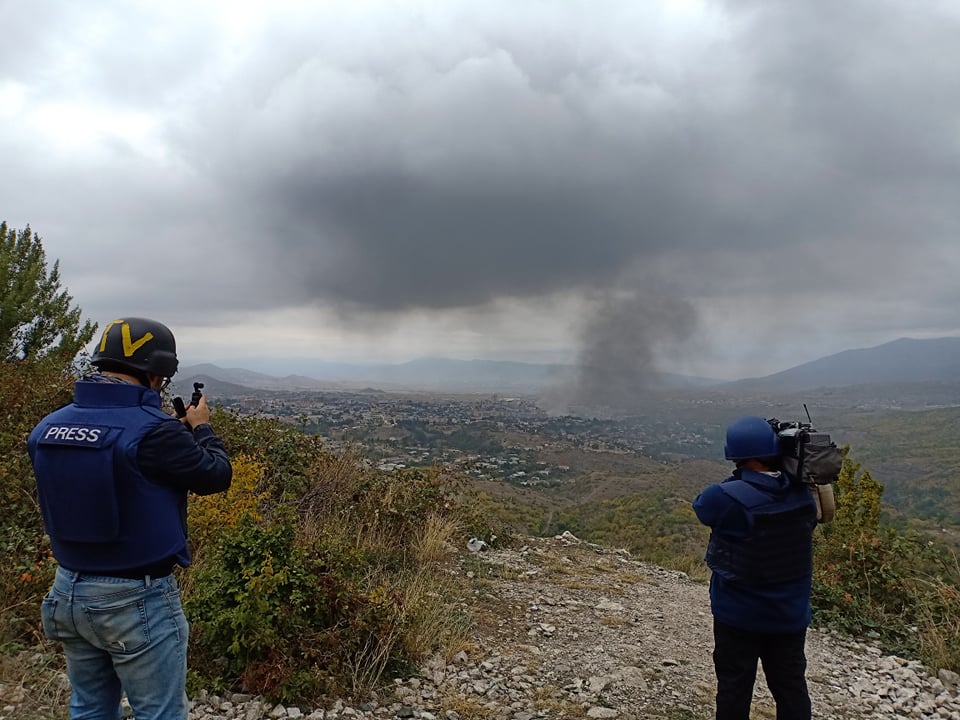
x=120 y=635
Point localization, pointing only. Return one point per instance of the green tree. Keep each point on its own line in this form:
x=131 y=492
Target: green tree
x=40 y=335
x=36 y=316
x=902 y=588
x=28 y=391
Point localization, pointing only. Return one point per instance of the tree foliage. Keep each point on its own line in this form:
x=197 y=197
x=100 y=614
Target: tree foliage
x=901 y=588
x=36 y=315
x=40 y=335
x=28 y=391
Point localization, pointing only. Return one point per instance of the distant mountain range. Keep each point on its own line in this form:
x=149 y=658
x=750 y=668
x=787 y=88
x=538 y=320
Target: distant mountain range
x=900 y=361
x=905 y=360
x=435 y=374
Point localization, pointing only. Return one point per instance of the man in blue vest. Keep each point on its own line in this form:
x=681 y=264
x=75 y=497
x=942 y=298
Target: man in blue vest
x=113 y=472
x=761 y=555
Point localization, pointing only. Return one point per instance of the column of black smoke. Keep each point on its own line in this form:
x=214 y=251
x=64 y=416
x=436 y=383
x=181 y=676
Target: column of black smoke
x=619 y=342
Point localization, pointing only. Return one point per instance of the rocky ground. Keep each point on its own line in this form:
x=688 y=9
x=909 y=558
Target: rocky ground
x=565 y=629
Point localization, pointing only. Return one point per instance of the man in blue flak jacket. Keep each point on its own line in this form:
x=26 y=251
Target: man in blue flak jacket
x=113 y=472
x=761 y=555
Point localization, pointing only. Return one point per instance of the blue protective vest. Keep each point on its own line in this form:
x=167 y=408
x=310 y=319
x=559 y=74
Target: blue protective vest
x=99 y=510
x=778 y=547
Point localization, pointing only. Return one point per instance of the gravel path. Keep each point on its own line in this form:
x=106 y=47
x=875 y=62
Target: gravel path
x=565 y=629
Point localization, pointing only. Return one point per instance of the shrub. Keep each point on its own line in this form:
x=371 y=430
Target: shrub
x=321 y=587
x=251 y=602
x=28 y=391
x=901 y=588
x=285 y=454
x=211 y=515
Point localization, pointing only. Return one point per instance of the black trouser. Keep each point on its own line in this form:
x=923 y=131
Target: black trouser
x=735 y=657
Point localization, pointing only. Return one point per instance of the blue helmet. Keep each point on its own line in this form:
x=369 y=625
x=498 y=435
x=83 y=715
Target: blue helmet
x=751 y=437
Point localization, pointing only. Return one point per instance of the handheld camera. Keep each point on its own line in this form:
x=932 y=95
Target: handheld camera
x=179 y=408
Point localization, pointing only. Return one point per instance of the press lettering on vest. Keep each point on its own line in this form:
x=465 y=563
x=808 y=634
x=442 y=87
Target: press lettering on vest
x=73 y=434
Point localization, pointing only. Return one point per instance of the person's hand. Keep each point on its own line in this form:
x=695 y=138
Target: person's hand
x=198 y=414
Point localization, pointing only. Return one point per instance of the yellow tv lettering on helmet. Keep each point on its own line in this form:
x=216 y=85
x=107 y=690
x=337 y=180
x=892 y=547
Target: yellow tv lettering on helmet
x=106 y=332
x=130 y=346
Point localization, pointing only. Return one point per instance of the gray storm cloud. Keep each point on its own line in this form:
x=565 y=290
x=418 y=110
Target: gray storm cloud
x=452 y=177
x=389 y=159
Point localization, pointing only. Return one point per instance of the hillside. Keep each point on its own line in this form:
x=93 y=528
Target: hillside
x=915 y=454
x=904 y=433
x=423 y=374
x=906 y=360
x=242 y=378
x=565 y=629
x=888 y=371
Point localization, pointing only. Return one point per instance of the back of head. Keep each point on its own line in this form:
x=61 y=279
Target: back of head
x=136 y=345
x=750 y=438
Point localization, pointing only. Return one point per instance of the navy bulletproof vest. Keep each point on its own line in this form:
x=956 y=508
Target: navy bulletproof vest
x=779 y=545
x=99 y=510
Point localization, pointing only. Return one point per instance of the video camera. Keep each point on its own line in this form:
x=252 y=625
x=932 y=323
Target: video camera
x=807 y=455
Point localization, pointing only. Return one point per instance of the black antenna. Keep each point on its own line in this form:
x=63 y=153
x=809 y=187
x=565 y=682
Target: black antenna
x=809 y=419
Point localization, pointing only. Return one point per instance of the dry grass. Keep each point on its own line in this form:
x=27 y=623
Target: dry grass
x=695 y=568
x=429 y=618
x=549 y=699
x=34 y=684
x=614 y=621
x=581 y=569
x=939 y=630
x=432 y=617
x=435 y=542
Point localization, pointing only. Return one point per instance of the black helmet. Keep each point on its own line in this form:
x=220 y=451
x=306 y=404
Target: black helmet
x=137 y=344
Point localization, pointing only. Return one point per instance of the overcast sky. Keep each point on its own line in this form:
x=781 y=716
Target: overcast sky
x=720 y=188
